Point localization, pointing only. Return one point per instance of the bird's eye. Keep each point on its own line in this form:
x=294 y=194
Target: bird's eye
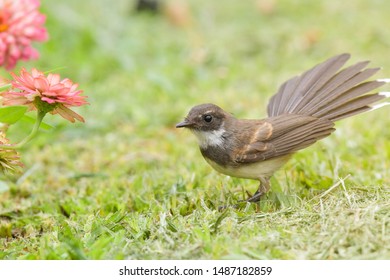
x=208 y=118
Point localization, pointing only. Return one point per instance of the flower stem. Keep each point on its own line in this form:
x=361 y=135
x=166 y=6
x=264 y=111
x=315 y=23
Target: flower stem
x=33 y=133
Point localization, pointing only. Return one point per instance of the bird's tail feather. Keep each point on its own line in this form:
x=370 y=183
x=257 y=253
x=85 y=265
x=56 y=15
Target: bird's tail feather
x=325 y=92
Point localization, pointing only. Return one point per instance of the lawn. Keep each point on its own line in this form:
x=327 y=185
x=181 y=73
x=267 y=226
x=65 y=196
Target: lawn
x=128 y=185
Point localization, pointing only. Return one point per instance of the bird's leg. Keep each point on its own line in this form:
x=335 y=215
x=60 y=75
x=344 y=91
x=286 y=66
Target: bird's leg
x=263 y=189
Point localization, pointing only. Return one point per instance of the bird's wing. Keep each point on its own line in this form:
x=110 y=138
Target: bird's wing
x=282 y=135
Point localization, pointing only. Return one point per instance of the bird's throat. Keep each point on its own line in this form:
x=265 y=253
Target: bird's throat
x=212 y=138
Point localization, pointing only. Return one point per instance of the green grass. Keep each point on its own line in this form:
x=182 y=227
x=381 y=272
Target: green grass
x=128 y=185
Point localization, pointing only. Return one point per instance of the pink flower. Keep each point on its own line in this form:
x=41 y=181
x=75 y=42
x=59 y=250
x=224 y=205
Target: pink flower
x=47 y=94
x=20 y=24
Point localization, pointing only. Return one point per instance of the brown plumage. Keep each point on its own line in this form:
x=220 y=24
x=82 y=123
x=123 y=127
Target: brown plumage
x=323 y=92
x=302 y=112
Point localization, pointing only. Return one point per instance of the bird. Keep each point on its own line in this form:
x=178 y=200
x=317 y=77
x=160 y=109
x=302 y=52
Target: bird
x=303 y=111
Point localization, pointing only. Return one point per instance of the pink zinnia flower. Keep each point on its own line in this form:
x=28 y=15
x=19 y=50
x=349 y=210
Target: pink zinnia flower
x=20 y=24
x=47 y=94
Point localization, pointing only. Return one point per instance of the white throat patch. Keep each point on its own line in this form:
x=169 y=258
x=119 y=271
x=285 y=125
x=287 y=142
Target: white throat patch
x=209 y=138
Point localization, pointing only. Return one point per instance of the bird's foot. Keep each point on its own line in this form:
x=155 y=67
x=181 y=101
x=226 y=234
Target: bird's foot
x=263 y=189
x=251 y=198
x=255 y=198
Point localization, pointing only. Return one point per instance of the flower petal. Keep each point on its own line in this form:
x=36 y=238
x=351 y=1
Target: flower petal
x=22 y=24
x=68 y=114
x=62 y=94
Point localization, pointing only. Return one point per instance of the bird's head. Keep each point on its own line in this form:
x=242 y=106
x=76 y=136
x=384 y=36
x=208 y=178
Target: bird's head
x=207 y=122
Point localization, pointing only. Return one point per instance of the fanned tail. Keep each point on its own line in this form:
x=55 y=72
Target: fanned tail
x=326 y=92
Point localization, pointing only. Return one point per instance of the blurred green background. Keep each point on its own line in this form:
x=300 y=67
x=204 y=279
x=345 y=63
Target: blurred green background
x=127 y=184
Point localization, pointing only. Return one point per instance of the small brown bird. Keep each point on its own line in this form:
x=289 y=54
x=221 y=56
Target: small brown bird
x=300 y=113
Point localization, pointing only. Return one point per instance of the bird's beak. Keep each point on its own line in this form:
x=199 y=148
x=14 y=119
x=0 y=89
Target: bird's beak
x=184 y=123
